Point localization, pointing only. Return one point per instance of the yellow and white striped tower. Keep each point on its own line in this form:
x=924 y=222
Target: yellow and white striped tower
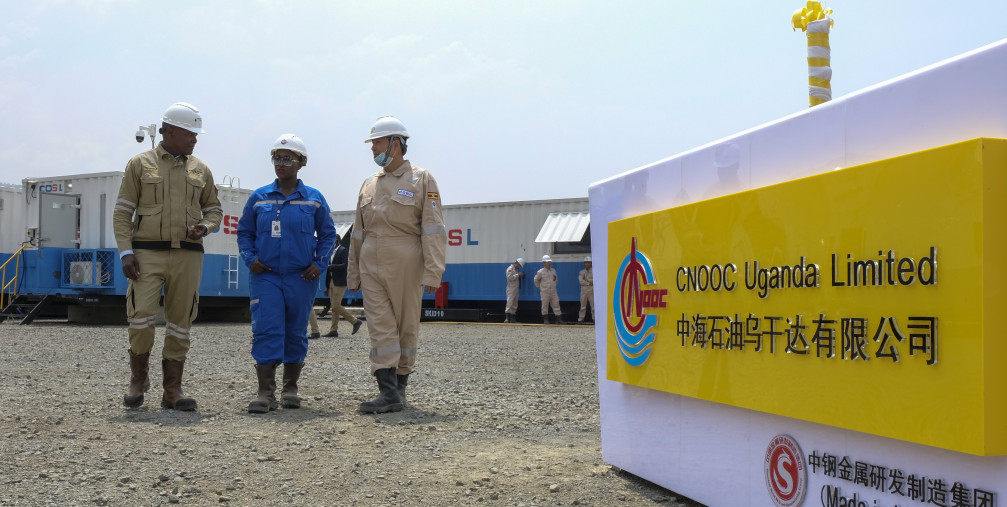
x=815 y=20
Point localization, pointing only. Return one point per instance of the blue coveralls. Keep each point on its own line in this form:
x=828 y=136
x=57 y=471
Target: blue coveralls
x=280 y=299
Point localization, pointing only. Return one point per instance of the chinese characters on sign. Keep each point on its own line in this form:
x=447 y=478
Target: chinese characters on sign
x=937 y=491
x=855 y=338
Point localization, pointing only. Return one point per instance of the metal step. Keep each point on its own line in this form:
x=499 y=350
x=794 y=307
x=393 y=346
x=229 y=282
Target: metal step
x=26 y=308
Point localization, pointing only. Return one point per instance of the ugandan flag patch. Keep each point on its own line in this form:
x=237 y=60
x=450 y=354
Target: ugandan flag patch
x=433 y=196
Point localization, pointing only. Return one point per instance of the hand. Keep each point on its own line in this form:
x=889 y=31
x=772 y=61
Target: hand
x=258 y=267
x=130 y=267
x=196 y=231
x=354 y=289
x=326 y=292
x=520 y=275
x=311 y=273
x=429 y=289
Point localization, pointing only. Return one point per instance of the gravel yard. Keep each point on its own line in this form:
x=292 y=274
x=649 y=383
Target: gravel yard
x=498 y=415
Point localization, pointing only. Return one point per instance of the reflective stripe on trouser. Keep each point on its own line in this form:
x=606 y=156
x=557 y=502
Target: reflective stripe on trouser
x=550 y=296
x=391 y=273
x=336 y=302
x=177 y=272
x=280 y=305
x=586 y=298
x=512 y=292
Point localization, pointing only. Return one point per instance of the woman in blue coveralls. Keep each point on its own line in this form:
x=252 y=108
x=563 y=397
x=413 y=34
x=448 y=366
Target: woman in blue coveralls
x=286 y=238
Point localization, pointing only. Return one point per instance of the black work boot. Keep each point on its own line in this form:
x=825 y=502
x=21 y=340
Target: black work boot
x=545 y=319
x=266 y=398
x=388 y=400
x=559 y=319
x=173 y=397
x=288 y=397
x=139 y=382
x=402 y=380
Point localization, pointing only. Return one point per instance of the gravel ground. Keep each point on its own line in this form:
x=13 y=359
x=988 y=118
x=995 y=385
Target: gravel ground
x=498 y=415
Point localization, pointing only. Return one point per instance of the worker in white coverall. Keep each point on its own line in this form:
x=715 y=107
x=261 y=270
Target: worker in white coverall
x=397 y=251
x=546 y=281
x=514 y=276
x=586 y=279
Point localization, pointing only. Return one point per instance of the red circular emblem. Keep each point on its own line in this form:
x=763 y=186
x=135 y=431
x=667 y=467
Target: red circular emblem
x=786 y=474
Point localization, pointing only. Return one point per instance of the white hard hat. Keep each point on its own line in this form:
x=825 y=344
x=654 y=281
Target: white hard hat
x=293 y=143
x=546 y=258
x=387 y=126
x=520 y=261
x=184 y=115
x=587 y=259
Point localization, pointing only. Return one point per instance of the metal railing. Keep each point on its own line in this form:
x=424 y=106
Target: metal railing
x=8 y=288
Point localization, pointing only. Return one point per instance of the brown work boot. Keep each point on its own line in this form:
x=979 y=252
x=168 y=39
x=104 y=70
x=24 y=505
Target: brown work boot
x=173 y=397
x=139 y=381
x=288 y=397
x=266 y=399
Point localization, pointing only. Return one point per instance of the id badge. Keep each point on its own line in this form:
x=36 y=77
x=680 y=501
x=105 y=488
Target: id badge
x=276 y=228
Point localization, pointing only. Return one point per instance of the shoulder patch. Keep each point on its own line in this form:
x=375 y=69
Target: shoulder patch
x=433 y=196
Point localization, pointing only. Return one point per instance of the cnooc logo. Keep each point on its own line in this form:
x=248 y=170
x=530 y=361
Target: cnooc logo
x=634 y=327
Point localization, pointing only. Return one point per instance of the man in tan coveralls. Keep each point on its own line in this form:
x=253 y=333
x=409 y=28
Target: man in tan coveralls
x=167 y=203
x=397 y=250
x=586 y=278
x=546 y=280
x=514 y=276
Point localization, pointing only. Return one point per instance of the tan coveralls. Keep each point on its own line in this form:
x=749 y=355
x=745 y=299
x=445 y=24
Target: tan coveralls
x=513 y=285
x=398 y=245
x=586 y=278
x=159 y=198
x=546 y=281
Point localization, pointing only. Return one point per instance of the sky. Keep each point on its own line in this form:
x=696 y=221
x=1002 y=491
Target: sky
x=504 y=100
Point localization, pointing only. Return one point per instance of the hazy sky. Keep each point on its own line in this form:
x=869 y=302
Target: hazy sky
x=504 y=100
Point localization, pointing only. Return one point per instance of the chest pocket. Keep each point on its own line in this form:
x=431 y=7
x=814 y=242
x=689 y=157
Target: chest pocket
x=405 y=199
x=194 y=188
x=151 y=186
x=307 y=217
x=264 y=216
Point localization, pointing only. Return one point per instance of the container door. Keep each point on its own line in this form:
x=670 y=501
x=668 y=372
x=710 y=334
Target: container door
x=57 y=220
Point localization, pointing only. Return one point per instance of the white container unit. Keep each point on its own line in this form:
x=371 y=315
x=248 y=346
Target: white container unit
x=484 y=238
x=12 y=219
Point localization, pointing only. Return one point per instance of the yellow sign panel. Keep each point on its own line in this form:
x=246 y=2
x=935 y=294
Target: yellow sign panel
x=866 y=298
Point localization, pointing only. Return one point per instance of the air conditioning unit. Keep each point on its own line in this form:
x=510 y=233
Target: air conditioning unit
x=80 y=272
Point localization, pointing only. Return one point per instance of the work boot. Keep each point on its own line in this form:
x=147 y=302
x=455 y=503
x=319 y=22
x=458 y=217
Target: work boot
x=559 y=319
x=266 y=398
x=139 y=381
x=402 y=381
x=173 y=397
x=388 y=400
x=288 y=397
x=545 y=319
x=356 y=325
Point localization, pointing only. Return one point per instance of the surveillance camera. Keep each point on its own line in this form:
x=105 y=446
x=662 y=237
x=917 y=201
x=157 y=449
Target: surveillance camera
x=139 y=136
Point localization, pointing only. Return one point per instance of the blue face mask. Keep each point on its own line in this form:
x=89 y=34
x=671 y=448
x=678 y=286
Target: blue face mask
x=382 y=159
